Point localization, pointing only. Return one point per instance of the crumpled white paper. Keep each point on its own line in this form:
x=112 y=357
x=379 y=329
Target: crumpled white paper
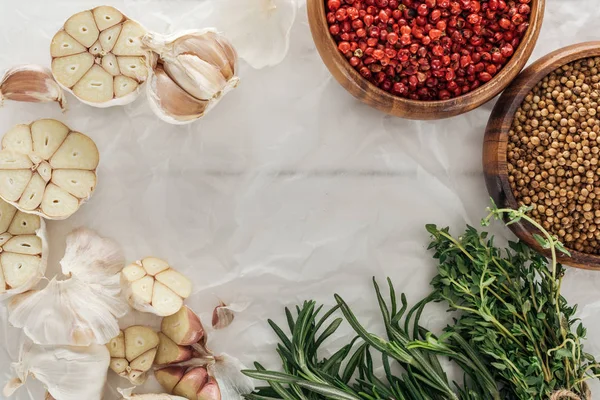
x=290 y=189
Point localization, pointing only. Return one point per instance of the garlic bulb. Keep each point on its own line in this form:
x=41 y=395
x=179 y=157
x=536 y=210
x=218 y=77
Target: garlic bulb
x=132 y=353
x=31 y=83
x=196 y=69
x=23 y=250
x=128 y=395
x=259 y=29
x=153 y=286
x=67 y=372
x=46 y=169
x=75 y=311
x=98 y=56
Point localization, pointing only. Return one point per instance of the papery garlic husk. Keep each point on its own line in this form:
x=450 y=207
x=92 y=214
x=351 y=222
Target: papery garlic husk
x=132 y=353
x=23 y=250
x=196 y=69
x=152 y=286
x=47 y=169
x=75 y=311
x=128 y=395
x=259 y=29
x=98 y=57
x=232 y=383
x=224 y=314
x=32 y=84
x=67 y=372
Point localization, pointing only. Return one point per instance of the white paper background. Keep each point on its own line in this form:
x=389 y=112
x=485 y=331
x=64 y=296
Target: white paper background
x=289 y=190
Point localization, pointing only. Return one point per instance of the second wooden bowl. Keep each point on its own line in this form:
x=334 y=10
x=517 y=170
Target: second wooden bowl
x=496 y=142
x=375 y=97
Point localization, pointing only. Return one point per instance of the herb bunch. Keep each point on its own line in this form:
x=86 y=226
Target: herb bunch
x=349 y=374
x=511 y=309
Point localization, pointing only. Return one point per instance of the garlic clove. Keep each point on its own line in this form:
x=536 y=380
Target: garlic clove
x=23 y=224
x=116 y=346
x=18 y=139
x=133 y=272
x=210 y=391
x=69 y=70
x=111 y=65
x=106 y=17
x=139 y=340
x=64 y=44
x=211 y=48
x=183 y=327
x=82 y=27
x=164 y=300
x=222 y=316
x=57 y=203
x=25 y=244
x=18 y=268
x=169 y=377
x=124 y=86
x=31 y=83
x=153 y=265
x=133 y=67
x=109 y=37
x=143 y=288
x=175 y=281
x=197 y=77
x=96 y=86
x=79 y=183
x=33 y=193
x=170 y=352
x=76 y=152
x=47 y=136
x=191 y=383
x=73 y=155
x=119 y=365
x=93 y=74
x=13 y=183
x=144 y=362
x=129 y=42
x=171 y=103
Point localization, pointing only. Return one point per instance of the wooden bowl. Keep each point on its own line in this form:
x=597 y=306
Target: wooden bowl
x=495 y=144
x=375 y=97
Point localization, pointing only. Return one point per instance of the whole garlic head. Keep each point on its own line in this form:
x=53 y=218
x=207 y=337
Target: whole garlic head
x=196 y=69
x=47 y=169
x=75 y=312
x=152 y=286
x=23 y=250
x=132 y=353
x=67 y=372
x=98 y=56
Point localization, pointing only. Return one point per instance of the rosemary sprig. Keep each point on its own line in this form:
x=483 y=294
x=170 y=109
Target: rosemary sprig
x=349 y=374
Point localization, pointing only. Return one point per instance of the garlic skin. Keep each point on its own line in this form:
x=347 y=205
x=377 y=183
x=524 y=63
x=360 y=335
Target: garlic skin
x=128 y=395
x=77 y=311
x=259 y=29
x=151 y=285
x=227 y=372
x=33 y=84
x=67 y=372
x=47 y=169
x=23 y=251
x=196 y=69
x=97 y=56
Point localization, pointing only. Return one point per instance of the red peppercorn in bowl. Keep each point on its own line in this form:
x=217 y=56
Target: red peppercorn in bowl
x=425 y=59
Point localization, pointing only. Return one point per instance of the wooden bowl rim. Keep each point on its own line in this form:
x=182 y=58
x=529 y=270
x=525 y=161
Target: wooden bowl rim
x=327 y=47
x=503 y=113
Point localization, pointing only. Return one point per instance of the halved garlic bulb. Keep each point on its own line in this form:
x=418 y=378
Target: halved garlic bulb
x=132 y=353
x=67 y=372
x=23 y=250
x=46 y=169
x=196 y=69
x=153 y=286
x=98 y=56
